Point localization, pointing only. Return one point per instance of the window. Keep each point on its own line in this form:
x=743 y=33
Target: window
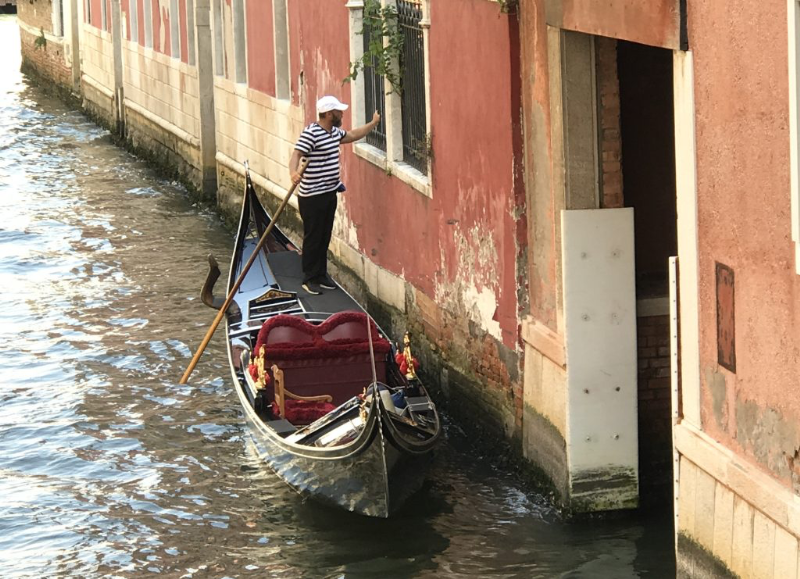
x=104 y=14
x=190 y=29
x=148 y=24
x=374 y=98
x=239 y=41
x=401 y=143
x=58 y=18
x=219 y=39
x=281 y=26
x=174 y=29
x=134 y=10
x=413 y=101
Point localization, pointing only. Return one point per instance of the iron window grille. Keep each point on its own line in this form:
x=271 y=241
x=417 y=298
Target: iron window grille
x=413 y=113
x=374 y=98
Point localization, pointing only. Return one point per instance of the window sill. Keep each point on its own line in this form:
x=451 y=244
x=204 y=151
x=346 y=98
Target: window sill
x=403 y=171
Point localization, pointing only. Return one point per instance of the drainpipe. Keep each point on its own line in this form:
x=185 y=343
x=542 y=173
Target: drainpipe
x=75 y=44
x=205 y=80
x=116 y=39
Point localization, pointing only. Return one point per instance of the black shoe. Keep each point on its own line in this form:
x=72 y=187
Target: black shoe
x=325 y=282
x=312 y=288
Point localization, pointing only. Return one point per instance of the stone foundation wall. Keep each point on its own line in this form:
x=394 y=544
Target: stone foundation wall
x=719 y=527
x=172 y=153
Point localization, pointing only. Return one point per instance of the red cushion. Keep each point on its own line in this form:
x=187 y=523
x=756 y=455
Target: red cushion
x=304 y=411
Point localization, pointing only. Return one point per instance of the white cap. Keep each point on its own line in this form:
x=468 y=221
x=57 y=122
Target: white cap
x=329 y=103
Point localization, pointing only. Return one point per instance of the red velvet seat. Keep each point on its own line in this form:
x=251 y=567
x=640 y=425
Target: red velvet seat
x=330 y=358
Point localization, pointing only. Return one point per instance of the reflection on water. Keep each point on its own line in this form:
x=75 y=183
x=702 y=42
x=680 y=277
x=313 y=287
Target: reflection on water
x=111 y=468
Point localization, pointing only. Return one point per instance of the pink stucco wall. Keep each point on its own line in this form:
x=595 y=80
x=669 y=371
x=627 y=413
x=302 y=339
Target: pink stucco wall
x=742 y=123
x=469 y=228
x=652 y=22
x=260 y=46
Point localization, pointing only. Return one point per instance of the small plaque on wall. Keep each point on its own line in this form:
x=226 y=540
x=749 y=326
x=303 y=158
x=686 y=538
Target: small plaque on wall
x=726 y=326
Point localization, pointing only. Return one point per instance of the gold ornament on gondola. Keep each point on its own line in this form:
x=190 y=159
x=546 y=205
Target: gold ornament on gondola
x=261 y=381
x=410 y=363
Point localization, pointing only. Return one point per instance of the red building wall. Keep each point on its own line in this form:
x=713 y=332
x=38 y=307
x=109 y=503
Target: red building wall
x=473 y=226
x=319 y=50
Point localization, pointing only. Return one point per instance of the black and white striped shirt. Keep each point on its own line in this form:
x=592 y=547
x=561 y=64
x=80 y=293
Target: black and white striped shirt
x=322 y=150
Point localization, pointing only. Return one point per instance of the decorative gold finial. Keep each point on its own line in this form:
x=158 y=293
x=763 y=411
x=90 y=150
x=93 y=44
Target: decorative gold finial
x=261 y=382
x=411 y=373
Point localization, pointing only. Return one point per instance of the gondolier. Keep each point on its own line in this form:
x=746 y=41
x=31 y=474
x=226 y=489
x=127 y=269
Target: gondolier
x=319 y=185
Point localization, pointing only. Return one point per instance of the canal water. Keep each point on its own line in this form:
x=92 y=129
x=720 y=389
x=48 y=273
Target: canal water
x=110 y=468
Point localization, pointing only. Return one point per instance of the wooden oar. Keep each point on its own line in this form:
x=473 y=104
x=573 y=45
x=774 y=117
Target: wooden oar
x=240 y=279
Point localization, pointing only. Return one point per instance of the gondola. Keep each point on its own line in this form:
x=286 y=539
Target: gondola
x=334 y=407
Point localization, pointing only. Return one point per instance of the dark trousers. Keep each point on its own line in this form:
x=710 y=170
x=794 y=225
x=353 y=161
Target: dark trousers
x=317 y=212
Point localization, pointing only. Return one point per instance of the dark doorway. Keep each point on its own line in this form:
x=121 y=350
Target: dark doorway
x=648 y=181
x=648 y=160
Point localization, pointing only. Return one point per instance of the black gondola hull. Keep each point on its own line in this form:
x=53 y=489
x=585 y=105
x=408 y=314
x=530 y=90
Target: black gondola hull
x=371 y=475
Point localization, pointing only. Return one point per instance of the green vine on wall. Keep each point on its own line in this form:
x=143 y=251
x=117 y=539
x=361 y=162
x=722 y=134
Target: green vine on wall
x=41 y=41
x=385 y=50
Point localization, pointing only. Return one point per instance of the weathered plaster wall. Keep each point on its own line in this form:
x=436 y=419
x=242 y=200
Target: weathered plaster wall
x=544 y=416
x=542 y=206
x=744 y=222
x=319 y=53
x=652 y=22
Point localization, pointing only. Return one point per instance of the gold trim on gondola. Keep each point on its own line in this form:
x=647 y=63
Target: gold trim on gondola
x=261 y=380
x=272 y=294
x=411 y=373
